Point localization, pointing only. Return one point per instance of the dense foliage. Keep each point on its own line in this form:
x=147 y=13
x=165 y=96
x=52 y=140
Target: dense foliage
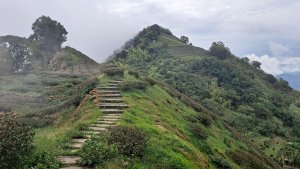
x=134 y=84
x=49 y=33
x=16 y=143
x=97 y=151
x=130 y=141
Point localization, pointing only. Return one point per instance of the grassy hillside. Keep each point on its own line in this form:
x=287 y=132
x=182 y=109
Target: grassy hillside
x=257 y=104
x=178 y=136
x=38 y=97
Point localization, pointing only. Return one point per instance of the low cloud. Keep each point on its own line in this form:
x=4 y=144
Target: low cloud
x=98 y=27
x=275 y=65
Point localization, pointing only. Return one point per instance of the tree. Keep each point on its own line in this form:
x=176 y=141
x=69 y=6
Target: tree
x=49 y=33
x=184 y=39
x=256 y=64
x=245 y=59
x=218 y=49
x=15 y=143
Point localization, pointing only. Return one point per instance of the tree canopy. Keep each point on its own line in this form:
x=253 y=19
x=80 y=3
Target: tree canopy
x=218 y=49
x=49 y=33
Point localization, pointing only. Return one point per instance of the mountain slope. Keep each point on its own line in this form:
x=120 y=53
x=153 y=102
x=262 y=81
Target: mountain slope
x=264 y=108
x=178 y=135
x=20 y=55
x=292 y=78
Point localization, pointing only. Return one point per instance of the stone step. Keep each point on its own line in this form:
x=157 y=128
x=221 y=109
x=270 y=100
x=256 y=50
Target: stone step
x=109 y=116
x=109 y=91
x=115 y=81
x=88 y=134
x=112 y=114
x=97 y=128
x=110 y=95
x=101 y=125
x=69 y=160
x=111 y=100
x=108 y=88
x=113 y=85
x=108 y=119
x=73 y=167
x=77 y=145
x=78 y=140
x=105 y=122
x=113 y=105
x=111 y=111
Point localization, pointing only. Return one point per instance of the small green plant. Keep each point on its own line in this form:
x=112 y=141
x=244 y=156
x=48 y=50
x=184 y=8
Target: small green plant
x=198 y=131
x=136 y=84
x=130 y=141
x=97 y=151
x=150 y=81
x=42 y=160
x=134 y=73
x=220 y=162
x=114 y=71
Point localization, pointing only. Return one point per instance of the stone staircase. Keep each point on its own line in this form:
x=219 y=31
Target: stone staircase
x=112 y=106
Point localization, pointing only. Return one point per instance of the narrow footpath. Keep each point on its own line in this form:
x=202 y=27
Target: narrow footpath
x=112 y=106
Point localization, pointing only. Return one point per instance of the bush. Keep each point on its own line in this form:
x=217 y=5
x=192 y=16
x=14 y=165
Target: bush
x=205 y=119
x=114 y=71
x=247 y=160
x=130 y=141
x=134 y=73
x=150 y=81
x=198 y=131
x=42 y=160
x=220 y=162
x=136 y=84
x=96 y=151
x=15 y=143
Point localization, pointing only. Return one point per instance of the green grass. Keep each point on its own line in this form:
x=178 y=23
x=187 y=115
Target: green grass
x=55 y=138
x=171 y=142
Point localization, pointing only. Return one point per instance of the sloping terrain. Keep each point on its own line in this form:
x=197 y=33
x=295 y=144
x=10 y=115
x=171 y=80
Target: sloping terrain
x=263 y=108
x=20 y=55
x=72 y=61
x=178 y=135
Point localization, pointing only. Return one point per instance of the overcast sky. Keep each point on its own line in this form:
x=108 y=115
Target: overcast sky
x=263 y=30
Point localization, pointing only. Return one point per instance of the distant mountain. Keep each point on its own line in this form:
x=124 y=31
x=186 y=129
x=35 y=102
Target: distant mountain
x=292 y=78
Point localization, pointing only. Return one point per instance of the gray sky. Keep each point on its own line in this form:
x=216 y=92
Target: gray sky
x=263 y=30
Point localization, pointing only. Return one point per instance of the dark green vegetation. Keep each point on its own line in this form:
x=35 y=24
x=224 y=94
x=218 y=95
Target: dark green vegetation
x=257 y=104
x=15 y=143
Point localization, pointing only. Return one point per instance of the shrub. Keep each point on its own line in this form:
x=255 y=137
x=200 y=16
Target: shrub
x=130 y=141
x=134 y=73
x=198 y=131
x=136 y=84
x=15 y=143
x=42 y=160
x=220 y=162
x=205 y=119
x=114 y=71
x=247 y=160
x=96 y=151
x=150 y=81
x=50 y=82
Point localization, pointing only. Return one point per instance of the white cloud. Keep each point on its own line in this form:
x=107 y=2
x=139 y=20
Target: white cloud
x=275 y=65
